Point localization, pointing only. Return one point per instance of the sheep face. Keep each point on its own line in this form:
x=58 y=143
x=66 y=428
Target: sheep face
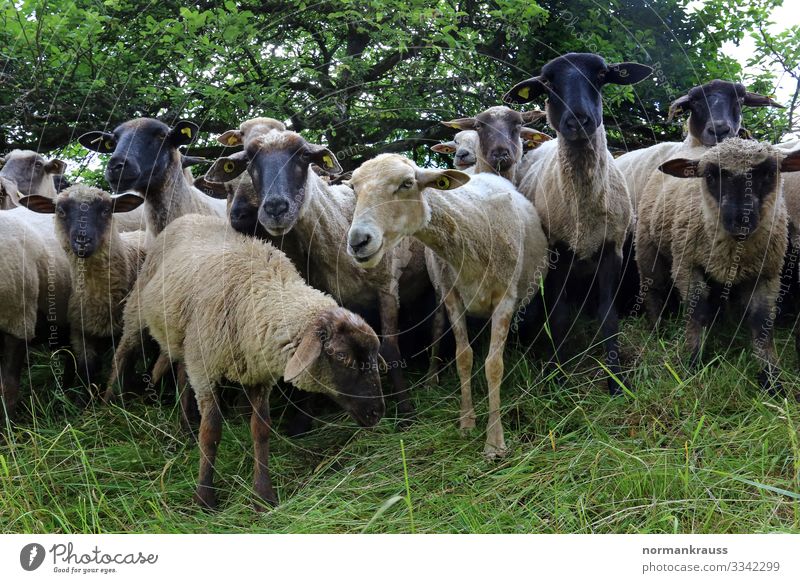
x=715 y=109
x=278 y=163
x=338 y=355
x=739 y=178
x=31 y=172
x=463 y=146
x=498 y=130
x=390 y=204
x=83 y=216
x=144 y=152
x=573 y=84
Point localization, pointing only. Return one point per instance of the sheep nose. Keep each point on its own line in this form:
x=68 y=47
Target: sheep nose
x=276 y=207
x=577 y=121
x=359 y=240
x=501 y=154
x=720 y=130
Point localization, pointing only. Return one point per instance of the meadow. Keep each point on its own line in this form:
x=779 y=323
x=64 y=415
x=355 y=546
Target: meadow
x=681 y=452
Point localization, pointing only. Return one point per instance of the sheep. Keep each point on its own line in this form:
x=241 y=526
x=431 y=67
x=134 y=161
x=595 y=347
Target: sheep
x=578 y=191
x=463 y=147
x=103 y=264
x=309 y=218
x=31 y=173
x=483 y=222
x=233 y=308
x=35 y=290
x=502 y=138
x=679 y=237
x=145 y=159
x=715 y=113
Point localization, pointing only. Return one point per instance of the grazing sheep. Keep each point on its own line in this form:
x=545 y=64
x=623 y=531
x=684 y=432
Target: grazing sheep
x=233 y=308
x=145 y=159
x=715 y=113
x=35 y=289
x=103 y=264
x=501 y=138
x=725 y=231
x=31 y=173
x=309 y=219
x=463 y=146
x=578 y=191
x=486 y=252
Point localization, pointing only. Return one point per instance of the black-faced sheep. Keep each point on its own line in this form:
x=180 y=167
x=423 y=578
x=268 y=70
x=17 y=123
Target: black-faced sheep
x=578 y=191
x=714 y=226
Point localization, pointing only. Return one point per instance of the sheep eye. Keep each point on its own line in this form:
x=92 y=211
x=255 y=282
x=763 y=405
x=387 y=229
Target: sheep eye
x=61 y=212
x=407 y=184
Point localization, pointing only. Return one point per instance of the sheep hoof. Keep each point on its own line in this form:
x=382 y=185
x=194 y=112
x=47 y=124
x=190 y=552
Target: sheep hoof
x=404 y=422
x=206 y=498
x=614 y=388
x=466 y=424
x=265 y=503
x=494 y=452
x=770 y=384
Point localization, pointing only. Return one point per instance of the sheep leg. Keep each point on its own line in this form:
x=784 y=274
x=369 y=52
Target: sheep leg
x=699 y=312
x=761 y=316
x=437 y=331
x=501 y=322
x=457 y=314
x=190 y=413
x=653 y=281
x=609 y=270
x=260 y=430
x=210 y=435
x=88 y=358
x=556 y=309
x=121 y=363
x=390 y=350
x=13 y=357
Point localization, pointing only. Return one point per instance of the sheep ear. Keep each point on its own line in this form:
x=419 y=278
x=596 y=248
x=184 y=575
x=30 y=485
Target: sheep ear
x=681 y=168
x=678 y=106
x=444 y=148
x=756 y=100
x=531 y=139
x=532 y=115
x=306 y=354
x=125 y=202
x=324 y=158
x=526 y=91
x=744 y=134
x=102 y=142
x=791 y=162
x=212 y=189
x=230 y=138
x=56 y=166
x=226 y=169
x=38 y=204
x=187 y=161
x=183 y=133
x=462 y=123
x=627 y=73
x=441 y=179
x=8 y=188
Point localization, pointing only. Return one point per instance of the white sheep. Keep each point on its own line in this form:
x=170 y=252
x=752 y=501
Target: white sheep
x=485 y=248
x=103 y=264
x=234 y=309
x=579 y=192
x=145 y=159
x=463 y=147
x=30 y=173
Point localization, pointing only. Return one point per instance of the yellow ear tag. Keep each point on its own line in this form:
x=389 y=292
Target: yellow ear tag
x=109 y=146
x=327 y=161
x=228 y=167
x=524 y=92
x=443 y=183
x=187 y=131
x=233 y=140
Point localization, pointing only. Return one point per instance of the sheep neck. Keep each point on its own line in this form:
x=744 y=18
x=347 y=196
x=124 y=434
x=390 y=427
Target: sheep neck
x=583 y=166
x=163 y=199
x=446 y=227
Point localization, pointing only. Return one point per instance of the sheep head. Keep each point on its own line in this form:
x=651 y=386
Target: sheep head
x=32 y=172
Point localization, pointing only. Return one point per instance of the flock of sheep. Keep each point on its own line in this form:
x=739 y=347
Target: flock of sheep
x=258 y=270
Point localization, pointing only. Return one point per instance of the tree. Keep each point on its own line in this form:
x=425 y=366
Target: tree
x=361 y=76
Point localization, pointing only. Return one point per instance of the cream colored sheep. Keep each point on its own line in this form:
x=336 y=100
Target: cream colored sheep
x=30 y=173
x=463 y=147
x=716 y=225
x=485 y=247
x=309 y=219
x=233 y=308
x=103 y=264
